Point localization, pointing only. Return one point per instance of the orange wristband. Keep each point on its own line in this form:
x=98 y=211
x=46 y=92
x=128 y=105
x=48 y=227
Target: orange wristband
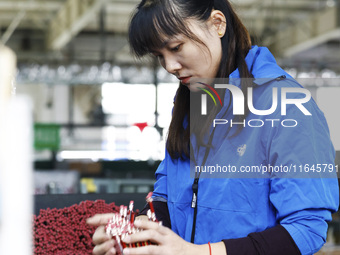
x=209 y=248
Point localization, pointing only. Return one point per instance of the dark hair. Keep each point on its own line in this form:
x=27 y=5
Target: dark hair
x=154 y=20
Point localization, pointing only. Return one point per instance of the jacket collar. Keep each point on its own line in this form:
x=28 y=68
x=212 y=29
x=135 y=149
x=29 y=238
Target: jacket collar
x=262 y=65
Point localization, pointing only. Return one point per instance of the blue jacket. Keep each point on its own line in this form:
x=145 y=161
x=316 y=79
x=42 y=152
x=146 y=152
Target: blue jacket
x=232 y=207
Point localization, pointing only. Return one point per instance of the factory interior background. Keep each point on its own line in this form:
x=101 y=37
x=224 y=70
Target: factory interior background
x=89 y=121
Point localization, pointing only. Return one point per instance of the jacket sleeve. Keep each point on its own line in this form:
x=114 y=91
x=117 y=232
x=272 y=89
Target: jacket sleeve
x=161 y=210
x=160 y=187
x=304 y=198
x=160 y=194
x=274 y=240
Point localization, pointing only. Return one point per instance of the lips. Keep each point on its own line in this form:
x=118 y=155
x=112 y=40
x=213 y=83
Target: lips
x=185 y=80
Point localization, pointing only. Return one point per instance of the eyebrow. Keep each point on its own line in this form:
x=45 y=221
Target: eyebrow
x=164 y=44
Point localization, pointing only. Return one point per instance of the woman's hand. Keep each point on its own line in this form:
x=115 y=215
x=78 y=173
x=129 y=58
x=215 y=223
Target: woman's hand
x=104 y=245
x=167 y=241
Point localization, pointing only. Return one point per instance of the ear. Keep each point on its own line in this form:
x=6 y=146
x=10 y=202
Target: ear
x=219 y=22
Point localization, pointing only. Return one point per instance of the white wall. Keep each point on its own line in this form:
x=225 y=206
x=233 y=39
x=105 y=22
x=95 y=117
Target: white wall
x=50 y=103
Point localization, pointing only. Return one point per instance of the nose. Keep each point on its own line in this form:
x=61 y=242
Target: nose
x=172 y=65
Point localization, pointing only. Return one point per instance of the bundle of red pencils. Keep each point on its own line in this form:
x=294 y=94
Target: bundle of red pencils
x=122 y=224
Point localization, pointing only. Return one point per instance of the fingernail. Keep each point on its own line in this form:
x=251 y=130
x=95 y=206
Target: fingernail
x=113 y=251
x=126 y=251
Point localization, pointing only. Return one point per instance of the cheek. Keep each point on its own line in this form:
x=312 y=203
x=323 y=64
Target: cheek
x=201 y=60
x=216 y=54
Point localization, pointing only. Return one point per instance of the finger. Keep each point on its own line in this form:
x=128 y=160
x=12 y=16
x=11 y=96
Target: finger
x=99 y=219
x=145 y=250
x=104 y=248
x=146 y=235
x=112 y=251
x=100 y=236
x=142 y=217
x=151 y=225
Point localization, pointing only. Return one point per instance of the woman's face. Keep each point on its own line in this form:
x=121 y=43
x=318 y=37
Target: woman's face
x=189 y=60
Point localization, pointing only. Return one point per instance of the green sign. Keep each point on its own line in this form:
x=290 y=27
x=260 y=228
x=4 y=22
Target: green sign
x=46 y=136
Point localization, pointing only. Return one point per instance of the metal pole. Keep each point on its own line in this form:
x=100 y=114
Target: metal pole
x=15 y=22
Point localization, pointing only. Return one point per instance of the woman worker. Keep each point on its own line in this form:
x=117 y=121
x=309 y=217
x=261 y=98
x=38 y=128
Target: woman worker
x=203 y=43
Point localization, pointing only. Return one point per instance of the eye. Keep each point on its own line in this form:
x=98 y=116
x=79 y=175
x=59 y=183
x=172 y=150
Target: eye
x=177 y=48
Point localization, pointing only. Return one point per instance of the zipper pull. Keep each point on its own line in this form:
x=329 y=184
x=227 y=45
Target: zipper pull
x=194 y=200
x=194 y=193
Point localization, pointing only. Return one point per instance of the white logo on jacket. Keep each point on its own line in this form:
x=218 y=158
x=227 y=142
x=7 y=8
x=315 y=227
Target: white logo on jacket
x=241 y=149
